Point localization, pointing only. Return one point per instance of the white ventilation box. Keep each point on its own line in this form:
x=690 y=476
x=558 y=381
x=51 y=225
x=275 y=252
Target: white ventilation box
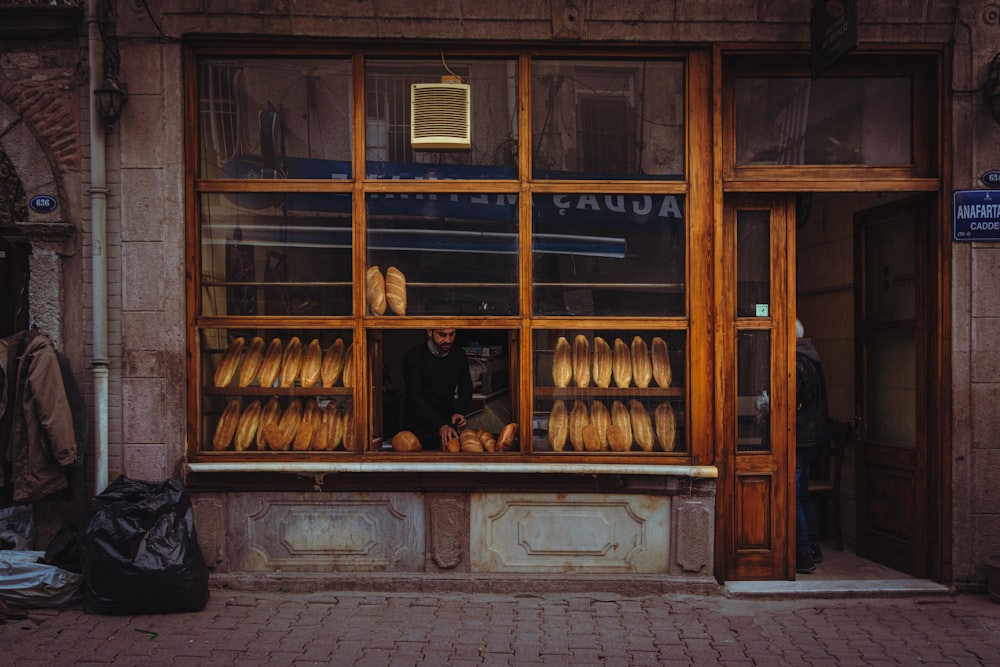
x=440 y=116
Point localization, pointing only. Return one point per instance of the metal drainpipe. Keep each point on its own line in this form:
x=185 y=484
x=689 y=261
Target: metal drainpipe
x=98 y=255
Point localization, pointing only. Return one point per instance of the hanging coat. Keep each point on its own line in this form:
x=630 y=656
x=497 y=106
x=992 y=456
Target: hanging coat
x=36 y=413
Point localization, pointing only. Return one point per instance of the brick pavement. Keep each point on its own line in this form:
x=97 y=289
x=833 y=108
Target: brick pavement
x=579 y=629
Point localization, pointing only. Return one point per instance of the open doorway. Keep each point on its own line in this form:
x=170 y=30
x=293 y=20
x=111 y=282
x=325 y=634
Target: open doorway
x=864 y=293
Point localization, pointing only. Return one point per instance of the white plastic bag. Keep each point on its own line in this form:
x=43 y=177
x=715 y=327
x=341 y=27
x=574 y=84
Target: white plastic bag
x=26 y=582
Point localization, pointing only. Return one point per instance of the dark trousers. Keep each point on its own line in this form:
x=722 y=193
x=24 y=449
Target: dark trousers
x=806 y=524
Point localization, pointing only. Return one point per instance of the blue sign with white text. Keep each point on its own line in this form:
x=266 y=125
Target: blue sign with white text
x=976 y=215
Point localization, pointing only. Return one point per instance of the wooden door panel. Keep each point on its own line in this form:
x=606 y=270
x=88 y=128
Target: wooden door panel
x=754 y=512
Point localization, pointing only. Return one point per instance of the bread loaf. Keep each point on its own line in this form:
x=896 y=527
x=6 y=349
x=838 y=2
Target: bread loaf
x=661 y=362
x=251 y=362
x=291 y=362
x=621 y=364
x=505 y=441
x=281 y=435
x=307 y=427
x=336 y=428
x=312 y=361
x=226 y=428
x=558 y=425
x=602 y=362
x=351 y=441
x=642 y=369
x=453 y=446
x=269 y=417
x=271 y=366
x=246 y=428
x=470 y=441
x=405 y=441
x=642 y=426
x=489 y=441
x=375 y=288
x=395 y=290
x=579 y=418
x=600 y=419
x=581 y=360
x=321 y=436
x=333 y=363
x=666 y=425
x=348 y=373
x=230 y=360
x=562 y=363
x=621 y=419
x=616 y=440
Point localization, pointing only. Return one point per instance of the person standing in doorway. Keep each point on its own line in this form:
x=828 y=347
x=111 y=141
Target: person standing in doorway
x=438 y=389
x=812 y=434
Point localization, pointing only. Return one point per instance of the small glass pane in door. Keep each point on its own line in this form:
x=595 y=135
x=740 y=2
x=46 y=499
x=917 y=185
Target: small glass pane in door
x=753 y=263
x=753 y=358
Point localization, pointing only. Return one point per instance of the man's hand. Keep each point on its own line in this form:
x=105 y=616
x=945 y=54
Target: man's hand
x=458 y=420
x=447 y=433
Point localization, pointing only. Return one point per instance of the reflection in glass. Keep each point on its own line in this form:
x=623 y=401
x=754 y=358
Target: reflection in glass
x=634 y=380
x=890 y=254
x=753 y=263
x=607 y=119
x=608 y=254
x=276 y=254
x=274 y=118
x=831 y=120
x=753 y=377
x=457 y=252
x=493 y=89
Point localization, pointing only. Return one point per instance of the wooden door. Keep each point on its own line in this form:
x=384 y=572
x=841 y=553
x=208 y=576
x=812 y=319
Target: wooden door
x=756 y=517
x=892 y=356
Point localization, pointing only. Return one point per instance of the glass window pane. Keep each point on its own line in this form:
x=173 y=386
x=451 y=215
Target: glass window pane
x=275 y=118
x=753 y=263
x=492 y=103
x=276 y=254
x=831 y=120
x=607 y=119
x=753 y=358
x=631 y=380
x=890 y=412
x=253 y=378
x=456 y=253
x=608 y=254
x=891 y=275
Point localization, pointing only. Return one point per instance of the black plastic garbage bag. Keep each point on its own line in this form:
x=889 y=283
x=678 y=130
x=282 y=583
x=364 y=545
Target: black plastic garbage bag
x=140 y=551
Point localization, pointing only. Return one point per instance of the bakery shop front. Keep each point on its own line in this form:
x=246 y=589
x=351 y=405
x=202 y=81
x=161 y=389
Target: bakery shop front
x=611 y=233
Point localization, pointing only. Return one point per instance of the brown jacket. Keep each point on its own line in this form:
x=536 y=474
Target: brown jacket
x=34 y=406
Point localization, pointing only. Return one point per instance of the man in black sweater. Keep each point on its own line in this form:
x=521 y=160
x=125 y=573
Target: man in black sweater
x=434 y=373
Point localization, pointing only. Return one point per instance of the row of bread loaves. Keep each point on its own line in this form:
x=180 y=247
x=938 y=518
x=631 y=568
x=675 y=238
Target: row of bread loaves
x=300 y=427
x=283 y=365
x=624 y=364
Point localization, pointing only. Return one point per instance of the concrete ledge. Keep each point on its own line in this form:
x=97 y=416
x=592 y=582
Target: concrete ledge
x=860 y=588
x=312 y=468
x=630 y=585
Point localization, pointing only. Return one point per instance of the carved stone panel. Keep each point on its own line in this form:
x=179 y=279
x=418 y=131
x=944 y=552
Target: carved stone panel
x=570 y=533
x=369 y=532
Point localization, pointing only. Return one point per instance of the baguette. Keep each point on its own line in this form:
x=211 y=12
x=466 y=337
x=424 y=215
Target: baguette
x=602 y=363
x=251 y=362
x=600 y=419
x=247 y=427
x=616 y=440
x=562 y=364
x=591 y=442
x=333 y=363
x=230 y=360
x=336 y=428
x=375 y=289
x=660 y=353
x=558 y=425
x=271 y=366
x=578 y=420
x=621 y=360
x=581 y=360
x=281 y=434
x=269 y=416
x=666 y=425
x=505 y=441
x=321 y=436
x=307 y=427
x=291 y=362
x=226 y=428
x=350 y=437
x=488 y=440
x=395 y=290
x=642 y=369
x=312 y=360
x=623 y=422
x=347 y=378
x=642 y=426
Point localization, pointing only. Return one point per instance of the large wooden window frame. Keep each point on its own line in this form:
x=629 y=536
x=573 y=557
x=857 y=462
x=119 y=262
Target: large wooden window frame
x=695 y=187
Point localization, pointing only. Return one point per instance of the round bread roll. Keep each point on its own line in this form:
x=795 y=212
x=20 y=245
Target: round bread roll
x=453 y=445
x=406 y=441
